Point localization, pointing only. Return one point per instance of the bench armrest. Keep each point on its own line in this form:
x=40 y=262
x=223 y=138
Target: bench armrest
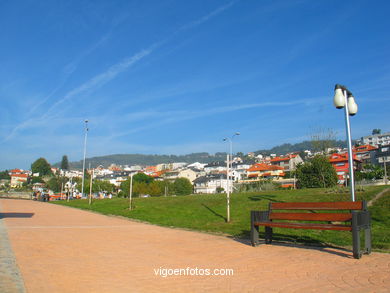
x=259 y=216
x=361 y=219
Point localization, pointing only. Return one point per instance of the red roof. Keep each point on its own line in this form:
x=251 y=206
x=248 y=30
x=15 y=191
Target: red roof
x=281 y=159
x=264 y=167
x=335 y=158
x=364 y=148
x=151 y=169
x=20 y=175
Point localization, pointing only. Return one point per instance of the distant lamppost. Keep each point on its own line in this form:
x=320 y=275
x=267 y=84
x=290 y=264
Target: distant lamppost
x=229 y=165
x=343 y=98
x=85 y=153
x=131 y=191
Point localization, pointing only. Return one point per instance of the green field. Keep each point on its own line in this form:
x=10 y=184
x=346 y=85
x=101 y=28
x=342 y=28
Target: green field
x=208 y=213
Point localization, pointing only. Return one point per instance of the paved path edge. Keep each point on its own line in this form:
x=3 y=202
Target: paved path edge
x=11 y=280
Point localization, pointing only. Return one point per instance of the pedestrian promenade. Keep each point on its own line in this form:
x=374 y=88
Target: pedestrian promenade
x=60 y=249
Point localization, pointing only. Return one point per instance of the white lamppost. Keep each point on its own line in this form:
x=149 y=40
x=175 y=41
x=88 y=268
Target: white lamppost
x=343 y=98
x=85 y=153
x=229 y=165
x=130 y=190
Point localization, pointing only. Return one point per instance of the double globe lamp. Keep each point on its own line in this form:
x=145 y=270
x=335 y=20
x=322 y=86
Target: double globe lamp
x=343 y=98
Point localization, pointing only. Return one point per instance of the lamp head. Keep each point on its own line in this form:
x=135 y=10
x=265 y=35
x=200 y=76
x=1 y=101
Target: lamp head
x=338 y=99
x=352 y=106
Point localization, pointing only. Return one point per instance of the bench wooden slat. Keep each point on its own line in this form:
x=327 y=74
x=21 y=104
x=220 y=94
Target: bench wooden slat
x=305 y=226
x=333 y=217
x=340 y=205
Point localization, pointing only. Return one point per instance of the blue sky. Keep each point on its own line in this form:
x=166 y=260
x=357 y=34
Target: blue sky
x=175 y=77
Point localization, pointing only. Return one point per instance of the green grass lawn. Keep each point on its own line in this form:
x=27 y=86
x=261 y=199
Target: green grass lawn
x=208 y=213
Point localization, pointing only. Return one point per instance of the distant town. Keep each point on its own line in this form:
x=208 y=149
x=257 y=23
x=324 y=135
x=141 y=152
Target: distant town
x=370 y=155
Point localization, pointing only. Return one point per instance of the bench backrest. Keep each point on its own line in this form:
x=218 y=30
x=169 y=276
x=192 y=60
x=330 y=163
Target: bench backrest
x=312 y=207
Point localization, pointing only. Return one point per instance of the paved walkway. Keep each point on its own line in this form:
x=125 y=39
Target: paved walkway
x=60 y=249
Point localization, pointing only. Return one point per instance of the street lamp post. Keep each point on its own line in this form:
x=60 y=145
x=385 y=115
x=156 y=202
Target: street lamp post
x=131 y=191
x=85 y=153
x=229 y=165
x=343 y=98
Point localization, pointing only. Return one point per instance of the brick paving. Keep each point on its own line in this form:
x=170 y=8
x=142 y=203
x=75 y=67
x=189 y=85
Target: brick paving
x=10 y=278
x=60 y=249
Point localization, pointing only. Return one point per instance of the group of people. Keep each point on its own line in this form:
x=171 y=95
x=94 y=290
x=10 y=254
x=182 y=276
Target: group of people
x=41 y=196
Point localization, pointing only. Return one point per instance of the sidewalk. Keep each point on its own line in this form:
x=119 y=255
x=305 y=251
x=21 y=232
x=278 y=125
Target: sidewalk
x=60 y=249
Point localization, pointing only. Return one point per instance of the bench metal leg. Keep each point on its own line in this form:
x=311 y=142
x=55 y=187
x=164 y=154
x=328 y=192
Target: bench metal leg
x=254 y=229
x=367 y=240
x=268 y=235
x=355 y=236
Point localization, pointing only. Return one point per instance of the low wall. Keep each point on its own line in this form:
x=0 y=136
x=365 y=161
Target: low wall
x=16 y=195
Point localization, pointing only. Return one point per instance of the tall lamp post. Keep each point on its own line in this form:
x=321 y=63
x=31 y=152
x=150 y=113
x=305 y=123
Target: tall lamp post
x=229 y=165
x=343 y=98
x=85 y=153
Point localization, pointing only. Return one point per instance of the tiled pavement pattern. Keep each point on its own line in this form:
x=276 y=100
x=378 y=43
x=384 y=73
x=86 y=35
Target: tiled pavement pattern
x=61 y=249
x=10 y=278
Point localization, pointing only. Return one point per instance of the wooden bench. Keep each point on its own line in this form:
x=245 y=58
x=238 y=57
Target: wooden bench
x=337 y=216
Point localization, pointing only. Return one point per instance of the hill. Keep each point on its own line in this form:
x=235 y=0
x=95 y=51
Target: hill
x=149 y=160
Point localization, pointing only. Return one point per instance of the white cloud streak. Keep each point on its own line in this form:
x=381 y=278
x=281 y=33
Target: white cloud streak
x=113 y=71
x=171 y=117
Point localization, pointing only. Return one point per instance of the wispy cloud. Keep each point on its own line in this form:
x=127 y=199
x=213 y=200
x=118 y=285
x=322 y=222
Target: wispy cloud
x=171 y=117
x=111 y=73
x=207 y=17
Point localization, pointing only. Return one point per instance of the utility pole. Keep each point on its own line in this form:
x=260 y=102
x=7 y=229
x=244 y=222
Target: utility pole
x=384 y=165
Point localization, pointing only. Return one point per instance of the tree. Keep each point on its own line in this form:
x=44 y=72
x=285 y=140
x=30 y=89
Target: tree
x=65 y=163
x=322 y=139
x=376 y=131
x=36 y=180
x=142 y=177
x=220 y=189
x=182 y=186
x=54 y=184
x=97 y=186
x=4 y=175
x=317 y=172
x=42 y=167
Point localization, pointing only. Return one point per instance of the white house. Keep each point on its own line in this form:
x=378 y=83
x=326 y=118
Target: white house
x=210 y=183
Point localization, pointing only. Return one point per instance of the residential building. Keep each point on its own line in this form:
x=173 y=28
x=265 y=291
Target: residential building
x=15 y=172
x=17 y=180
x=197 y=165
x=264 y=171
x=365 y=153
x=288 y=162
x=189 y=174
x=341 y=165
x=376 y=139
x=210 y=183
x=239 y=171
x=215 y=167
x=382 y=155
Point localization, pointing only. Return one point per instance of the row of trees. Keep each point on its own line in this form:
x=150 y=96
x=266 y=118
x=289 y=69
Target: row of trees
x=143 y=184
